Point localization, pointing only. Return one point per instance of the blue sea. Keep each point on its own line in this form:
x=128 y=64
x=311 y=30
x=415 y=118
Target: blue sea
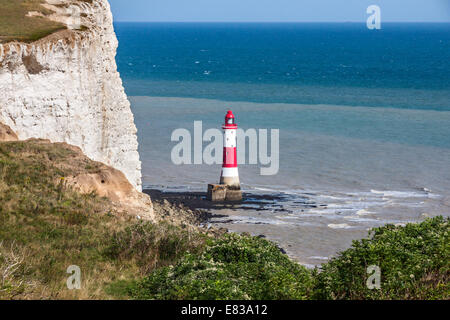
x=364 y=120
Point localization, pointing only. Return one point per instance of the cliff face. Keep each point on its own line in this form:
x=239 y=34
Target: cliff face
x=66 y=88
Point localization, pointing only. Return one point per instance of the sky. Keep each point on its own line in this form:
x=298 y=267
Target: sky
x=278 y=10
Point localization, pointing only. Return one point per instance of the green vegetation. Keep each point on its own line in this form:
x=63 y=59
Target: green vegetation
x=234 y=267
x=151 y=246
x=414 y=262
x=15 y=25
x=46 y=227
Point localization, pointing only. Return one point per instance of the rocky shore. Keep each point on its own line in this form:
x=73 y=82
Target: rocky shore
x=194 y=208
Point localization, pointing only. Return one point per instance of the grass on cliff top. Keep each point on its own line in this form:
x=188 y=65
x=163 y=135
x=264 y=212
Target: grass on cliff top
x=15 y=25
x=46 y=227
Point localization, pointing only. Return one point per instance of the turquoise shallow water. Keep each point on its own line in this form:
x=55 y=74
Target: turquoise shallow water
x=321 y=147
x=364 y=119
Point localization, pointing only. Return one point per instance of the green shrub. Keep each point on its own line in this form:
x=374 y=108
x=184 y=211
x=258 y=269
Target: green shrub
x=233 y=267
x=413 y=260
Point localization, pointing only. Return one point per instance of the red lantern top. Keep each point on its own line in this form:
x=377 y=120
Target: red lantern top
x=230 y=121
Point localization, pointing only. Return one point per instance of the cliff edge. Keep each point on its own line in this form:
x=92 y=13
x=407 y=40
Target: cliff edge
x=65 y=87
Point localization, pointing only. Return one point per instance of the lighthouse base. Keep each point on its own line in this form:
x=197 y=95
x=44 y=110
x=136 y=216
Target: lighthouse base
x=222 y=193
x=232 y=182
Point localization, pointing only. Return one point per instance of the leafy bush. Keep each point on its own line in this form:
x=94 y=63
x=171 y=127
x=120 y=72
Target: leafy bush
x=233 y=267
x=414 y=263
x=413 y=260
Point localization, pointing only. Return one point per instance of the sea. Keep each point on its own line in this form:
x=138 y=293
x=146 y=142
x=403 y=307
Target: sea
x=363 y=118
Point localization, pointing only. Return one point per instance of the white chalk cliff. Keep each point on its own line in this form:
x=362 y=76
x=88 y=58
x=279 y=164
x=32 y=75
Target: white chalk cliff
x=66 y=88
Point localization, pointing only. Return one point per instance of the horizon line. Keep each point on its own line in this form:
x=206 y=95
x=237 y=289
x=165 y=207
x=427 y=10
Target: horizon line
x=149 y=21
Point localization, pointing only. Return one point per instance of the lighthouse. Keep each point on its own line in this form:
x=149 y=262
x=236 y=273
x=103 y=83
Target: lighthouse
x=229 y=187
x=230 y=174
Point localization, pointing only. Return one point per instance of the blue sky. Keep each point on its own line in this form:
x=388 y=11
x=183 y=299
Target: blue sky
x=278 y=10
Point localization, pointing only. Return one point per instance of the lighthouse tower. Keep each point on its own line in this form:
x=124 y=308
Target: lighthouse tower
x=229 y=188
x=230 y=174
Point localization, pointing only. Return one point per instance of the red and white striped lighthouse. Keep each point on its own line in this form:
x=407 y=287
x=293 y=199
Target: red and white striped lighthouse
x=230 y=174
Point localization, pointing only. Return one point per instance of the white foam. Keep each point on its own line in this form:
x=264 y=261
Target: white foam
x=339 y=226
x=333 y=197
x=330 y=211
x=257 y=220
x=434 y=196
x=400 y=194
x=363 y=212
x=338 y=206
x=318 y=258
x=265 y=189
x=358 y=219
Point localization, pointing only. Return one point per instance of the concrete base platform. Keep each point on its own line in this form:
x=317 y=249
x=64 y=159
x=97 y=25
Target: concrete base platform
x=222 y=192
x=216 y=192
